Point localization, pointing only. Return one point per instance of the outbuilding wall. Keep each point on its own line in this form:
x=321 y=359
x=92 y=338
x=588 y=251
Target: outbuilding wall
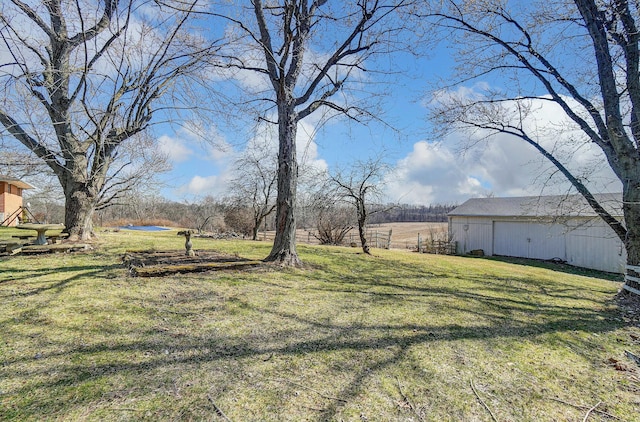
x=583 y=242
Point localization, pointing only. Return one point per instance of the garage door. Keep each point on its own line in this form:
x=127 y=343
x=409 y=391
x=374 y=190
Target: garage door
x=529 y=240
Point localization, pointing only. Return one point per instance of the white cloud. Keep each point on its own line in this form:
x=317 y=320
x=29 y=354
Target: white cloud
x=501 y=165
x=431 y=173
x=307 y=148
x=194 y=140
x=215 y=185
x=175 y=148
x=264 y=141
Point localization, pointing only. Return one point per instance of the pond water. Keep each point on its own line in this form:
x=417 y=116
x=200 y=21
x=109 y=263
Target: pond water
x=144 y=228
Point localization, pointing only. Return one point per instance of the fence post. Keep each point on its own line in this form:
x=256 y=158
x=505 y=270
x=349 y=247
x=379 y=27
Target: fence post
x=389 y=239
x=419 y=243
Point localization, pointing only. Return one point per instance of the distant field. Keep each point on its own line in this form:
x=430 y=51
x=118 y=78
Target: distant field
x=403 y=236
x=407 y=233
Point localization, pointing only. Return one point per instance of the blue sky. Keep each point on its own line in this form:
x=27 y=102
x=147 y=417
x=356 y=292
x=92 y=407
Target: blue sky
x=424 y=169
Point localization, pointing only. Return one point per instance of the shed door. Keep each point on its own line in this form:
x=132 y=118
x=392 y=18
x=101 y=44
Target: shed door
x=529 y=239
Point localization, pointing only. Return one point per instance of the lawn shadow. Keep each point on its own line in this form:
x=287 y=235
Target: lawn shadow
x=560 y=267
x=498 y=310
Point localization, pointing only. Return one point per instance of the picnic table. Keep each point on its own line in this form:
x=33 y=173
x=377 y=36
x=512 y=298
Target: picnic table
x=41 y=229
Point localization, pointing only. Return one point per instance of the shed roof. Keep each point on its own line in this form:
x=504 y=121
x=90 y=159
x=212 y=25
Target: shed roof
x=15 y=182
x=538 y=206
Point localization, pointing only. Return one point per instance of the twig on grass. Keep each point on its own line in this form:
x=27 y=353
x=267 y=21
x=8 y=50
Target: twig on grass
x=482 y=401
x=406 y=399
x=316 y=409
x=590 y=410
x=218 y=410
x=594 y=410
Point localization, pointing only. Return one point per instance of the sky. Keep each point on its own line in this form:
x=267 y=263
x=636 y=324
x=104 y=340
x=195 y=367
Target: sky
x=424 y=168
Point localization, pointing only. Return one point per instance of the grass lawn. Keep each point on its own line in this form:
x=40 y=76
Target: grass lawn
x=395 y=337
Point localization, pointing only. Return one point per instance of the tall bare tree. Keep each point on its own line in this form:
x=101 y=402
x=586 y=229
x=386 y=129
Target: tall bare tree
x=81 y=83
x=584 y=56
x=308 y=52
x=359 y=187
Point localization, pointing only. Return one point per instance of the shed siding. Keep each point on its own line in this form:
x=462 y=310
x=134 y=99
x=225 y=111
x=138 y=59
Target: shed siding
x=472 y=233
x=587 y=243
x=529 y=239
x=593 y=244
x=510 y=239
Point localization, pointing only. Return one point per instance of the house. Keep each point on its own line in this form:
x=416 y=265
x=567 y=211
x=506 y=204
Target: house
x=562 y=227
x=11 y=200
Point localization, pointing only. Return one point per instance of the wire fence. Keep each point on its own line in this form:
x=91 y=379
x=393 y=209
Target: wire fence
x=435 y=243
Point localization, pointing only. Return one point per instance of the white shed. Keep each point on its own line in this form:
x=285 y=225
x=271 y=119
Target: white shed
x=560 y=227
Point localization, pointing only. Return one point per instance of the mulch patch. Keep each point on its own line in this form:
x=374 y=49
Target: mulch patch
x=152 y=263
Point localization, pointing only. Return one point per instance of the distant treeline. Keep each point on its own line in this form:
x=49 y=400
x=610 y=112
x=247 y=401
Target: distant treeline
x=406 y=213
x=210 y=214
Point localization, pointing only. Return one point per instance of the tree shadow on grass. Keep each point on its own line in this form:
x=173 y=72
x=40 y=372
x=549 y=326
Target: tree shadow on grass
x=79 y=272
x=198 y=350
x=496 y=311
x=560 y=267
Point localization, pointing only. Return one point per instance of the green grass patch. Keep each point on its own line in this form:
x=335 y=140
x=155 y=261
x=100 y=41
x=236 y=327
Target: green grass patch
x=396 y=336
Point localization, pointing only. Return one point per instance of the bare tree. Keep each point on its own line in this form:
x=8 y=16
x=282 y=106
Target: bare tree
x=255 y=183
x=358 y=187
x=18 y=162
x=584 y=56
x=307 y=52
x=82 y=84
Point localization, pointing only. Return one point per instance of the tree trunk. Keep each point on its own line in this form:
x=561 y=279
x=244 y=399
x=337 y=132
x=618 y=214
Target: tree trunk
x=256 y=228
x=79 y=209
x=362 y=225
x=363 y=239
x=284 y=244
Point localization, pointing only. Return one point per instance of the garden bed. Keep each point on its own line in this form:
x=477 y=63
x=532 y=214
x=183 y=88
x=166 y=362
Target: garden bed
x=153 y=263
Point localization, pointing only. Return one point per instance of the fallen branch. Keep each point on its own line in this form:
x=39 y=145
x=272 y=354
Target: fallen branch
x=218 y=410
x=578 y=406
x=482 y=401
x=590 y=410
x=406 y=399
